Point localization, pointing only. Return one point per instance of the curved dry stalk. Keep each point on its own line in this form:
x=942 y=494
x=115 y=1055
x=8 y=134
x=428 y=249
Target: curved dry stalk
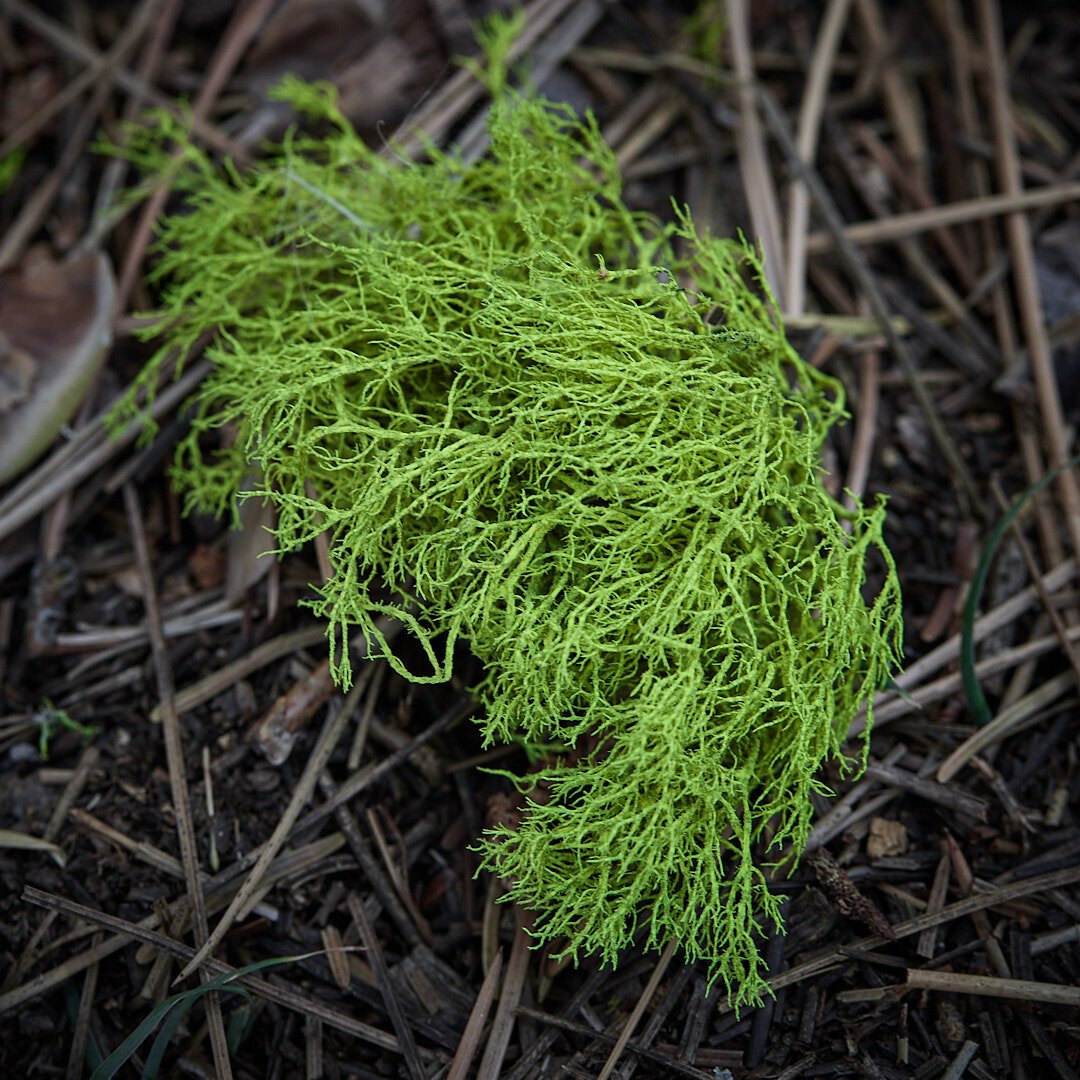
x=813 y=107
x=753 y=160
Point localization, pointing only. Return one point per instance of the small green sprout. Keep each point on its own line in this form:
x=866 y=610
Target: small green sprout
x=10 y=167
x=49 y=719
x=574 y=437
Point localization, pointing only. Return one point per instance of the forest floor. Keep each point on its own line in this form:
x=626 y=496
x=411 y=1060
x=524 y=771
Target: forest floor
x=917 y=200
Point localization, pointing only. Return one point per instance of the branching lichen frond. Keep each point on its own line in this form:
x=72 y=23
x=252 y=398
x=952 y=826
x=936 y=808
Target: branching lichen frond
x=576 y=439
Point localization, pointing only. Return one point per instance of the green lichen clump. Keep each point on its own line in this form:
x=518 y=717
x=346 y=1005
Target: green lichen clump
x=575 y=439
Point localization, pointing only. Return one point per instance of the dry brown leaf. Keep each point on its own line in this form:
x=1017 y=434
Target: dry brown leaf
x=249 y=547
x=55 y=326
x=886 y=838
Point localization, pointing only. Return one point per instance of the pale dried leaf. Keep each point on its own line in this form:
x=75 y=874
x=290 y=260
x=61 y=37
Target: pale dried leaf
x=24 y=842
x=55 y=326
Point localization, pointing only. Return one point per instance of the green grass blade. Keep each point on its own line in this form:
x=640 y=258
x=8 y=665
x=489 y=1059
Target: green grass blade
x=173 y=1021
x=240 y=1024
x=180 y=1002
x=977 y=703
x=109 y=1067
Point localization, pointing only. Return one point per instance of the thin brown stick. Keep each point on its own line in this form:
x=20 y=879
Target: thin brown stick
x=365 y=857
x=667 y=111
x=1008 y=720
x=810 y=114
x=753 y=159
x=57 y=976
x=261 y=656
x=940 y=794
x=529 y=1061
x=77 y=1052
x=313 y=1049
x=502 y=1026
x=635 y=1016
x=862 y=446
x=1024 y=274
x=470 y=1037
x=847 y=809
x=926 y=946
x=900 y=102
x=914 y=189
x=385 y=984
x=120 y=638
x=397 y=875
x=35 y=121
x=961 y=64
x=372 y=774
x=112 y=175
x=955 y=982
x=925 y=271
x=659 y=1016
x=965 y=882
x=174 y=756
x=147 y=853
x=30 y=955
x=363 y=725
x=72 y=790
x=956 y=213
x=1009 y=802
x=1050 y=538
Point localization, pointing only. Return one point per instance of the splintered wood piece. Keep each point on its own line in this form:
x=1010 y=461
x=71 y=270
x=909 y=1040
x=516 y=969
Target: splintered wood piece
x=845 y=893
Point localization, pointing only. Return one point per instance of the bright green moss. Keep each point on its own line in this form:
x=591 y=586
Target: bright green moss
x=576 y=440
